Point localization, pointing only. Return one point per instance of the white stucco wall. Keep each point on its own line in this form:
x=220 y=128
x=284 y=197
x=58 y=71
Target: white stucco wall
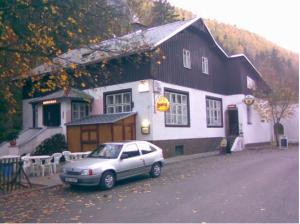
x=198 y=127
x=291 y=126
x=257 y=131
x=144 y=105
x=27 y=114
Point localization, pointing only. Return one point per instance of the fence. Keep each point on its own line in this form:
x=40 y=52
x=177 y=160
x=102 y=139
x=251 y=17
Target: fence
x=12 y=175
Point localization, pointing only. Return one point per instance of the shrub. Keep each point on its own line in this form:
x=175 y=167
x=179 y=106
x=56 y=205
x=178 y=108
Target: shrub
x=56 y=143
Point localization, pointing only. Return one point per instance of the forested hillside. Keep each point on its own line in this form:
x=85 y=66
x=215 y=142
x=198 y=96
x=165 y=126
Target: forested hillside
x=270 y=59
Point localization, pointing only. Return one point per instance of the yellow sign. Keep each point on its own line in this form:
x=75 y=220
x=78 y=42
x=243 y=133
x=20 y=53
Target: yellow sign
x=162 y=104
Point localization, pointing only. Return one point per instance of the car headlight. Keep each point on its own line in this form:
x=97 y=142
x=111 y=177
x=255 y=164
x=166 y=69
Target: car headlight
x=87 y=172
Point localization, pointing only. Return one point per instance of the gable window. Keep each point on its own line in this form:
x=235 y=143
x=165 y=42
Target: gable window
x=118 y=102
x=214 y=112
x=205 y=65
x=80 y=110
x=251 y=83
x=187 y=59
x=178 y=114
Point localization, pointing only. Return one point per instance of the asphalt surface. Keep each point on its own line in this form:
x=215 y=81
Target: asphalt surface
x=248 y=186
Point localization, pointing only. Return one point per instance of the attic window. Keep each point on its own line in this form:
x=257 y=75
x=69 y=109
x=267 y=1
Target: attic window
x=251 y=83
x=205 y=65
x=186 y=59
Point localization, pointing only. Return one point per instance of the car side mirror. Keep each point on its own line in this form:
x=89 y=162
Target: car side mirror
x=124 y=156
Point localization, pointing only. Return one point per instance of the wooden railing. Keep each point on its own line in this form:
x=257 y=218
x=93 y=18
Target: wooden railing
x=12 y=175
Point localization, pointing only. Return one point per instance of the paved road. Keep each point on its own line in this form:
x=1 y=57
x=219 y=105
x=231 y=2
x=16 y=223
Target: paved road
x=249 y=186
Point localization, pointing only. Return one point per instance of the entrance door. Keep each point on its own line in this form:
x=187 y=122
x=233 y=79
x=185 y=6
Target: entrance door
x=232 y=122
x=51 y=115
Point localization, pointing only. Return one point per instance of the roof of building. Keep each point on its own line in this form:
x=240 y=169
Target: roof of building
x=70 y=93
x=101 y=119
x=138 y=41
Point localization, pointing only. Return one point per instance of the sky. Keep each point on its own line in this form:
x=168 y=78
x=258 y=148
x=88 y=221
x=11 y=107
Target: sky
x=275 y=20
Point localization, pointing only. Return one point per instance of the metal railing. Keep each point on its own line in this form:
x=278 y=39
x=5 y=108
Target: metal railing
x=12 y=175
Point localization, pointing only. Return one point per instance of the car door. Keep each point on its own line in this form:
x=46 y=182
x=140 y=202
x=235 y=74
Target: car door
x=148 y=155
x=133 y=164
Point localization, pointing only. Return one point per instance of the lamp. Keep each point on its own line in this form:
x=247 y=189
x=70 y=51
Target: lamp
x=145 y=127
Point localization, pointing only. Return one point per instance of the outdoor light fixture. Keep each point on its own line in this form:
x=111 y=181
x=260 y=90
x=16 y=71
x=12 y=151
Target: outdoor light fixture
x=145 y=127
x=49 y=102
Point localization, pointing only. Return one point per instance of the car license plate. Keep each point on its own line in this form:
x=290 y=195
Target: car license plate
x=71 y=180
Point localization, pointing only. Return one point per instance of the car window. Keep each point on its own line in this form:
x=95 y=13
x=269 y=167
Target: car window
x=146 y=148
x=131 y=150
x=108 y=151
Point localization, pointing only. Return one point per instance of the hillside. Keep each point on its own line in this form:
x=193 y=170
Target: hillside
x=270 y=59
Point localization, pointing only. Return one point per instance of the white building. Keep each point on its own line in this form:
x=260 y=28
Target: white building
x=205 y=87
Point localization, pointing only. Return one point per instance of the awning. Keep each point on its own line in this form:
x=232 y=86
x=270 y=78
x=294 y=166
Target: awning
x=74 y=94
x=101 y=119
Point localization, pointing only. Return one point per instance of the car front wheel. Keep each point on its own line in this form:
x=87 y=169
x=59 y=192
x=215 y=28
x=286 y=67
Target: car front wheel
x=155 y=170
x=108 y=180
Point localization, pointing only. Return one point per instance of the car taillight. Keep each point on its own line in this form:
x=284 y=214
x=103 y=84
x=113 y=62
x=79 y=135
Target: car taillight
x=90 y=172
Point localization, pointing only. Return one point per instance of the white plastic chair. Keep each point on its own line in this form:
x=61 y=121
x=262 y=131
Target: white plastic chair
x=47 y=165
x=38 y=167
x=67 y=155
x=27 y=165
x=56 y=158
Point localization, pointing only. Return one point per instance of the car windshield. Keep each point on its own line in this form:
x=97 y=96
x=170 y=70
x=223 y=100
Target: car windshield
x=107 y=151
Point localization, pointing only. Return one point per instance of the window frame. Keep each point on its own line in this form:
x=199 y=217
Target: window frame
x=186 y=57
x=87 y=109
x=205 y=67
x=187 y=108
x=221 y=111
x=113 y=93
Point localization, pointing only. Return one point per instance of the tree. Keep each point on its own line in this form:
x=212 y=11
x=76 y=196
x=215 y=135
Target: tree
x=35 y=32
x=162 y=13
x=276 y=104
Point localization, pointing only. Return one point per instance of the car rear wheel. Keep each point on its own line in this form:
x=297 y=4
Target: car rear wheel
x=108 y=180
x=155 y=170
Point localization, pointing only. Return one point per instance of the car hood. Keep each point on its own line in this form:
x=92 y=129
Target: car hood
x=86 y=163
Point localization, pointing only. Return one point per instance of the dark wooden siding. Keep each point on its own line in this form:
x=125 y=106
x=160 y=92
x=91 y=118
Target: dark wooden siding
x=171 y=69
x=123 y=70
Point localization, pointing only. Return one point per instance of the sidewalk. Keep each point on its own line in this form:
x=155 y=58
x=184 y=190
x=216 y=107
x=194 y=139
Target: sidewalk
x=54 y=180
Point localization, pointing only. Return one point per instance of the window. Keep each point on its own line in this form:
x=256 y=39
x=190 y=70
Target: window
x=251 y=83
x=146 y=148
x=205 y=65
x=177 y=115
x=80 y=110
x=118 y=102
x=187 y=59
x=131 y=150
x=214 y=112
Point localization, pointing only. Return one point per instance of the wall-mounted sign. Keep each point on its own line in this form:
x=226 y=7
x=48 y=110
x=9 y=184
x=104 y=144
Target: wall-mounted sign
x=249 y=100
x=162 y=104
x=49 y=102
x=231 y=106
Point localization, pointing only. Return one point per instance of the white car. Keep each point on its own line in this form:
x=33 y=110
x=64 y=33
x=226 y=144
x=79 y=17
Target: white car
x=114 y=161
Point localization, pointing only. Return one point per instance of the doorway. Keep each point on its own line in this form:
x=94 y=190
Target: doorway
x=232 y=122
x=51 y=115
